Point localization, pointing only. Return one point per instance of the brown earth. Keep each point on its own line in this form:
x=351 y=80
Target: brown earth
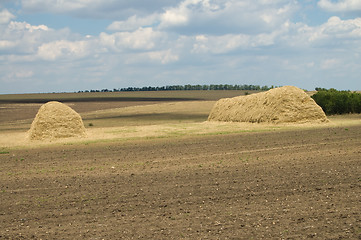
x=16 y=111
x=284 y=184
x=188 y=181
x=25 y=106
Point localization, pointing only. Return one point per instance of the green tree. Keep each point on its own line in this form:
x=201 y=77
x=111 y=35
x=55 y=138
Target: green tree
x=333 y=101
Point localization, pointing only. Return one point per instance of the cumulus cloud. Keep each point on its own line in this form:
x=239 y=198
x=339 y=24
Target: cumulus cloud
x=329 y=63
x=220 y=44
x=24 y=26
x=141 y=39
x=6 y=16
x=343 y=28
x=335 y=32
x=239 y=42
x=20 y=74
x=218 y=17
x=63 y=48
x=106 y=9
x=341 y=5
x=181 y=40
x=55 y=5
x=164 y=56
x=22 y=37
x=134 y=22
x=176 y=16
x=226 y=17
x=5 y=44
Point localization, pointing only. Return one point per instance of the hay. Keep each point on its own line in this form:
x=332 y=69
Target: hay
x=56 y=120
x=280 y=105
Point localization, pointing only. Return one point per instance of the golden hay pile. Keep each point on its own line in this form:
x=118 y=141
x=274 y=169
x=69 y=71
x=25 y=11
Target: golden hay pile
x=280 y=105
x=56 y=120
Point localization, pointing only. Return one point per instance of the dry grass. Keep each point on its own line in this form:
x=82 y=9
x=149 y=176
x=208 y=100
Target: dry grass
x=164 y=120
x=278 y=105
x=24 y=107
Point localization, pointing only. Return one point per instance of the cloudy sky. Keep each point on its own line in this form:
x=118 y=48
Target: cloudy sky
x=71 y=45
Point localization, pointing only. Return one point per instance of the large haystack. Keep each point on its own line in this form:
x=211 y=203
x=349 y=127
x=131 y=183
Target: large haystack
x=280 y=105
x=56 y=120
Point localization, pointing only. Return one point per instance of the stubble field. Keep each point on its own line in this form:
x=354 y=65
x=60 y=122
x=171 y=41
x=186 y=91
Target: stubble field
x=152 y=168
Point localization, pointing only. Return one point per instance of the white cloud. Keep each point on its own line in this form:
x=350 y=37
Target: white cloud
x=164 y=57
x=180 y=41
x=340 y=6
x=226 y=17
x=335 y=31
x=106 y=9
x=176 y=16
x=21 y=74
x=63 y=48
x=134 y=22
x=237 y=42
x=6 y=16
x=141 y=39
x=22 y=37
x=333 y=34
x=220 y=44
x=188 y=17
x=23 y=26
x=59 y=6
x=5 y=44
x=329 y=63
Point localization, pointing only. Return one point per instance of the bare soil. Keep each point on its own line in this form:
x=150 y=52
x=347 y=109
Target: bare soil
x=24 y=111
x=289 y=184
x=25 y=106
x=159 y=172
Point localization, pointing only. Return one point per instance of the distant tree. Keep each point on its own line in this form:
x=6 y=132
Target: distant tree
x=320 y=89
x=188 y=87
x=333 y=101
x=265 y=88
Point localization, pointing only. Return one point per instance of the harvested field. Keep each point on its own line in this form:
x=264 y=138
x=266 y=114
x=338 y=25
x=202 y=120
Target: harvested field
x=183 y=178
x=24 y=107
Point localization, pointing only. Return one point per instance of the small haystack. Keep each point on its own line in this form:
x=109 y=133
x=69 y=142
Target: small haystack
x=280 y=105
x=56 y=120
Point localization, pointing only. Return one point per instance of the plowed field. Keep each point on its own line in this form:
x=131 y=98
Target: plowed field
x=262 y=183
x=282 y=185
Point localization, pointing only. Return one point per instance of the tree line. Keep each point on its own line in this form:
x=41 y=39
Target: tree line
x=187 y=87
x=333 y=101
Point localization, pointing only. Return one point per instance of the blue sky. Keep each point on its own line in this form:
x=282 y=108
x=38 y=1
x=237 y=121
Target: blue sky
x=71 y=45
